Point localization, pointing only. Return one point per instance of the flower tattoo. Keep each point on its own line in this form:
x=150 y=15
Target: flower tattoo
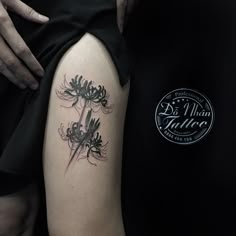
x=82 y=135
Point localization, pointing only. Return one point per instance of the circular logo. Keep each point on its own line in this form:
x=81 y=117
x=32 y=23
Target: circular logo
x=184 y=116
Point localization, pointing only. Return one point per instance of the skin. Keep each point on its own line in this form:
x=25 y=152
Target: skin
x=105 y=181
x=124 y=8
x=13 y=50
x=83 y=184
x=18 y=212
x=17 y=63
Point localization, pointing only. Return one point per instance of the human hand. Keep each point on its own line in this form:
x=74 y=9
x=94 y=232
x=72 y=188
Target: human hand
x=124 y=8
x=17 y=62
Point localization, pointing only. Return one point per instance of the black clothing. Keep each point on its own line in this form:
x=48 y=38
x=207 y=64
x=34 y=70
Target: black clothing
x=168 y=188
x=24 y=113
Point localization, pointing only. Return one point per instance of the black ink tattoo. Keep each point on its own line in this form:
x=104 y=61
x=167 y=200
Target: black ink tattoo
x=82 y=136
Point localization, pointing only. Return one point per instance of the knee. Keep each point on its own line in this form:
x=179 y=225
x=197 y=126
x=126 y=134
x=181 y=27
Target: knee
x=11 y=224
x=16 y=214
x=13 y=218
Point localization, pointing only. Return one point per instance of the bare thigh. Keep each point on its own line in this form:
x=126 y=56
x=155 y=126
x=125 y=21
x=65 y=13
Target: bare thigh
x=18 y=212
x=83 y=143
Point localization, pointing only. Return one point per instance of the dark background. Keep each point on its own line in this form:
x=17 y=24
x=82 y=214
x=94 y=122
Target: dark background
x=170 y=189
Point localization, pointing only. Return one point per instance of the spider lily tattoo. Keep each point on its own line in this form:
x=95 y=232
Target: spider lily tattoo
x=83 y=137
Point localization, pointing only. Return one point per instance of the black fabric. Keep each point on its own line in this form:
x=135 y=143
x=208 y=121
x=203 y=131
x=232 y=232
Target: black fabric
x=12 y=183
x=23 y=113
x=171 y=189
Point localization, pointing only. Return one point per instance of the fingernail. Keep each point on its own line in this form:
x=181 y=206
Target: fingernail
x=22 y=86
x=34 y=86
x=40 y=73
x=43 y=18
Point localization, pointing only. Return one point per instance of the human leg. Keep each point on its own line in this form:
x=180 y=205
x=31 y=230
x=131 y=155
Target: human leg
x=18 y=211
x=83 y=143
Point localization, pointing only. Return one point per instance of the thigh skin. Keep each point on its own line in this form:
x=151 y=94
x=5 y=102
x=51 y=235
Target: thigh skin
x=83 y=143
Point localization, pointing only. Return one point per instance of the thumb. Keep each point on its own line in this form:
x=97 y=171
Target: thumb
x=25 y=11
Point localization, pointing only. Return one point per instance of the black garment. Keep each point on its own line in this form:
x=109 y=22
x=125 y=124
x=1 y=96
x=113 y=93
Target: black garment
x=23 y=113
x=168 y=188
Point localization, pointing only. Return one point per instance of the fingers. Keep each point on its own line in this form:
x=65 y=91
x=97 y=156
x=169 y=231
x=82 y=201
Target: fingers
x=25 y=11
x=10 y=76
x=13 y=69
x=13 y=48
x=131 y=5
x=17 y=44
x=124 y=9
x=121 y=10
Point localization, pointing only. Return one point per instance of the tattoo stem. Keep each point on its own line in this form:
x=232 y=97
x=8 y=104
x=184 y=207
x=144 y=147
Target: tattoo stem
x=82 y=114
x=73 y=156
x=76 y=150
x=79 y=123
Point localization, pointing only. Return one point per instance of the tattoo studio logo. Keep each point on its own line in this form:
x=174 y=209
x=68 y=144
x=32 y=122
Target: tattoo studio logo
x=184 y=116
